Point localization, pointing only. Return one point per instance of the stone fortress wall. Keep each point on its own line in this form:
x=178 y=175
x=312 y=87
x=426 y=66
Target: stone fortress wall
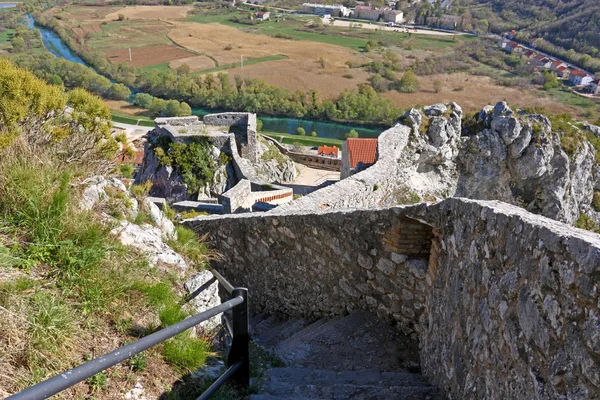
x=243 y=195
x=310 y=160
x=505 y=303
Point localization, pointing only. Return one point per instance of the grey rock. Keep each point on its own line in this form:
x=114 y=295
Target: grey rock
x=435 y=110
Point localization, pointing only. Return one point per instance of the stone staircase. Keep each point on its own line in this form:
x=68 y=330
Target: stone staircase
x=351 y=357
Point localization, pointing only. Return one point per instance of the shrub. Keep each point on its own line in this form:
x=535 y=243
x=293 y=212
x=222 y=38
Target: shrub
x=313 y=134
x=185 y=352
x=587 y=223
x=300 y=131
x=596 y=202
x=191 y=246
x=352 y=134
x=126 y=170
x=348 y=76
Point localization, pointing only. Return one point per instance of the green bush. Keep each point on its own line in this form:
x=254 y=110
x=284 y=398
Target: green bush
x=596 y=202
x=300 y=131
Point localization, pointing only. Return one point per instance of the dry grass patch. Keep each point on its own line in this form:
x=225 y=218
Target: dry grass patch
x=87 y=13
x=150 y=12
x=150 y=55
x=474 y=92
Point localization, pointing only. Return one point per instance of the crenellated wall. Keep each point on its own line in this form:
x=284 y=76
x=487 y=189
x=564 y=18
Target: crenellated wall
x=505 y=303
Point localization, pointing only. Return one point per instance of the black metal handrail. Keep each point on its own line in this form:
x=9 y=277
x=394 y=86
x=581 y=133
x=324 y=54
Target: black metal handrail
x=237 y=360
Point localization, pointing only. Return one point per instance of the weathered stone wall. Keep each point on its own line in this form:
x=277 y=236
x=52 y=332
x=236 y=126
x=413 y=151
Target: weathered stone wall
x=310 y=160
x=513 y=311
x=246 y=121
x=373 y=187
x=324 y=264
x=507 y=306
x=238 y=198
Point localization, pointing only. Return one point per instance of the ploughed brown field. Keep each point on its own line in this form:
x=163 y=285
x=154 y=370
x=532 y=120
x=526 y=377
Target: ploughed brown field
x=143 y=56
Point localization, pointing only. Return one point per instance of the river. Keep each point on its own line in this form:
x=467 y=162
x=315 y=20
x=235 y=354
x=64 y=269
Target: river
x=7 y=5
x=55 y=45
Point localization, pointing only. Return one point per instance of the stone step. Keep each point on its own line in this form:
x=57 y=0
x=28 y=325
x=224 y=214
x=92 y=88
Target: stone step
x=282 y=332
x=265 y=325
x=356 y=342
x=337 y=391
x=276 y=397
x=302 y=375
x=303 y=337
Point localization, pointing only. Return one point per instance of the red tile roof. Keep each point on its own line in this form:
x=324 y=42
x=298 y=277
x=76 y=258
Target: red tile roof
x=561 y=69
x=328 y=151
x=362 y=151
x=577 y=72
x=557 y=63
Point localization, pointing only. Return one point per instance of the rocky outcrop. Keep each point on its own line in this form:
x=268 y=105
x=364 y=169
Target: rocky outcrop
x=429 y=163
x=109 y=194
x=272 y=165
x=517 y=158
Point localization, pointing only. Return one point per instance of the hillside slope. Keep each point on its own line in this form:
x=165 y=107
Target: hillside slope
x=567 y=23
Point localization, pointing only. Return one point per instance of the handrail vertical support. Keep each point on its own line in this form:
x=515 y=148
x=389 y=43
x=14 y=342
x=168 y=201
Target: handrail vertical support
x=240 y=343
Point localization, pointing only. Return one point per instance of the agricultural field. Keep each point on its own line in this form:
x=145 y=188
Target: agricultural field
x=295 y=53
x=5 y=37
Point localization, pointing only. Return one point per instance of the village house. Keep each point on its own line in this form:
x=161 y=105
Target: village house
x=542 y=62
x=329 y=151
x=357 y=154
x=512 y=47
x=563 y=72
x=445 y=21
x=556 y=65
x=530 y=54
x=393 y=16
x=578 y=78
x=366 y=12
x=511 y=34
x=263 y=15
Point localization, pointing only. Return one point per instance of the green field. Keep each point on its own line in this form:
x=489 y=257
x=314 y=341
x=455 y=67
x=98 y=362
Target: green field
x=124 y=118
x=5 y=38
x=287 y=138
x=156 y=67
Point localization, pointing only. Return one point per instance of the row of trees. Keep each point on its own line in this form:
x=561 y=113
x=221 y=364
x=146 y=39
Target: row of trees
x=161 y=107
x=61 y=72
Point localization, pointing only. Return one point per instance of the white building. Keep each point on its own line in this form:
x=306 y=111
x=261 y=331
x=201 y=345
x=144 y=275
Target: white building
x=335 y=10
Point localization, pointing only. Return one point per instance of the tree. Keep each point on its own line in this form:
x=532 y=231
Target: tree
x=184 y=109
x=172 y=108
x=183 y=69
x=300 y=131
x=313 y=134
x=437 y=86
x=121 y=17
x=18 y=44
x=118 y=91
x=259 y=125
x=409 y=83
x=352 y=134
x=143 y=100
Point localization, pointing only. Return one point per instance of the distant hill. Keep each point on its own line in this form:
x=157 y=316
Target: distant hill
x=571 y=24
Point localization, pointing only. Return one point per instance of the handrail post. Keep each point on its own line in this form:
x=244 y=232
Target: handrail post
x=239 y=345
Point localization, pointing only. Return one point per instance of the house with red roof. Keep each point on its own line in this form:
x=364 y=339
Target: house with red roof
x=329 y=151
x=557 y=64
x=263 y=15
x=530 y=54
x=563 y=72
x=512 y=47
x=578 y=77
x=357 y=154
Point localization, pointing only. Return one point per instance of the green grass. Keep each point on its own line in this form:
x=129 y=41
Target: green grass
x=190 y=246
x=249 y=61
x=162 y=67
x=186 y=353
x=5 y=38
x=304 y=140
x=131 y=120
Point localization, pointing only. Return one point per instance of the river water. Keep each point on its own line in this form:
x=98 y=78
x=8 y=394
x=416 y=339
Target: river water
x=55 y=45
x=7 y=5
